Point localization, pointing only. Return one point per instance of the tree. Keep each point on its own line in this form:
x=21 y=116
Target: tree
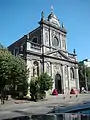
x=82 y=71
x=34 y=88
x=13 y=72
x=45 y=83
x=81 y=75
x=39 y=86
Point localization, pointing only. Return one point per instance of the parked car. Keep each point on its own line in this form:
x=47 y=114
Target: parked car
x=74 y=91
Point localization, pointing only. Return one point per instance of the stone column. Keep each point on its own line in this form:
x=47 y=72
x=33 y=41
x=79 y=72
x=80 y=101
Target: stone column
x=29 y=66
x=63 y=79
x=53 y=75
x=67 y=78
x=69 y=86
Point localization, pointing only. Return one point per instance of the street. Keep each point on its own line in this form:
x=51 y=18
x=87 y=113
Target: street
x=42 y=107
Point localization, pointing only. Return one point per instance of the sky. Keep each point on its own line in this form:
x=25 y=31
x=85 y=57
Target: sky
x=19 y=17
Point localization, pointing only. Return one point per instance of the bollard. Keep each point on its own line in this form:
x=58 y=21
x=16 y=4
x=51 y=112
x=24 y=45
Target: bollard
x=70 y=96
x=64 y=97
x=76 y=95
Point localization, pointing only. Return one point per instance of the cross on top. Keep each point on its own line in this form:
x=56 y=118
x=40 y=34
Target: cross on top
x=52 y=8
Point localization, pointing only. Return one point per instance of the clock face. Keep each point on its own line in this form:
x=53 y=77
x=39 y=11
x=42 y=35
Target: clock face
x=55 y=42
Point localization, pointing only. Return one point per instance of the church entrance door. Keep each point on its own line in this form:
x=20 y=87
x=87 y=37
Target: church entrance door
x=58 y=84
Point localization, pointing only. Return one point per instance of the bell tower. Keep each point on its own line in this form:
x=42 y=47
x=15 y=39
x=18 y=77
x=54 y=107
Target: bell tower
x=53 y=33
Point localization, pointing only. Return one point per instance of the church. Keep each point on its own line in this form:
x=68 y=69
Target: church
x=45 y=50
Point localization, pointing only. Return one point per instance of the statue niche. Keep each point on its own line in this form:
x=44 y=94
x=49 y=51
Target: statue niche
x=35 y=69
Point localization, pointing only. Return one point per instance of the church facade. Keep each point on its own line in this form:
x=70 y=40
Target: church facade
x=45 y=50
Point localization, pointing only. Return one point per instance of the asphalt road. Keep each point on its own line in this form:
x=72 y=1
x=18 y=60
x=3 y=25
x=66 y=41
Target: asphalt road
x=13 y=107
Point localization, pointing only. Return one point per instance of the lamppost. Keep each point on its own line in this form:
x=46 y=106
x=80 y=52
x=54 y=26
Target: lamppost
x=86 y=82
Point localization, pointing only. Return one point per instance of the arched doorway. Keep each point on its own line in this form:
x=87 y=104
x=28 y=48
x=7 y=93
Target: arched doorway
x=58 y=84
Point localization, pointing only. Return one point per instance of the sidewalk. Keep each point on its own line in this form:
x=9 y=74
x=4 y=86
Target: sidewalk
x=55 y=100
x=48 y=99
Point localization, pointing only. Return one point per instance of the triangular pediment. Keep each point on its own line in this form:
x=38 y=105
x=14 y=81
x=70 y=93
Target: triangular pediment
x=59 y=54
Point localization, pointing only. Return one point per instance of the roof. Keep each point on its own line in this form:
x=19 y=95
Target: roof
x=53 y=19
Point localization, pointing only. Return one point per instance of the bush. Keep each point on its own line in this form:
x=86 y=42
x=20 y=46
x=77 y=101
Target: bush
x=45 y=82
x=39 y=86
x=34 y=89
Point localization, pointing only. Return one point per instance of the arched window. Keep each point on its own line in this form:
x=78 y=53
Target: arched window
x=35 y=40
x=63 y=44
x=55 y=42
x=48 y=68
x=46 y=38
x=35 y=68
x=71 y=73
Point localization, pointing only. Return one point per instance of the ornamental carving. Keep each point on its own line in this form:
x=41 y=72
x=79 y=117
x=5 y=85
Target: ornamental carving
x=57 y=55
x=46 y=29
x=54 y=33
x=46 y=38
x=48 y=67
x=35 y=68
x=57 y=68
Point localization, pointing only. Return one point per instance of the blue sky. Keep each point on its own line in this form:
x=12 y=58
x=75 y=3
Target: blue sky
x=18 y=17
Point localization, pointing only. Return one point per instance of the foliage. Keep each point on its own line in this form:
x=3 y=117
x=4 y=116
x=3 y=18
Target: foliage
x=13 y=72
x=81 y=75
x=39 y=86
x=34 y=88
x=82 y=70
x=45 y=82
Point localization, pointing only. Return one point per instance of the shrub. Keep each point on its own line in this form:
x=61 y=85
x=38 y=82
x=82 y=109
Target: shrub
x=34 y=89
x=39 y=86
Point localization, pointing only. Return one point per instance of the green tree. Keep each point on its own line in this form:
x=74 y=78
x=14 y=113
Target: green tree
x=39 y=86
x=13 y=72
x=88 y=77
x=34 y=88
x=81 y=74
x=82 y=71
x=45 y=83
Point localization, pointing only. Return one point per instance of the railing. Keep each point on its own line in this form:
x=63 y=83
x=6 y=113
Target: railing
x=35 y=46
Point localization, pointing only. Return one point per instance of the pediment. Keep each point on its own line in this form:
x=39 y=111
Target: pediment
x=59 y=54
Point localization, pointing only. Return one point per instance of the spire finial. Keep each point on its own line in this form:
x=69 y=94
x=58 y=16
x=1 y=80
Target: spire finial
x=42 y=15
x=62 y=25
x=52 y=8
x=74 y=51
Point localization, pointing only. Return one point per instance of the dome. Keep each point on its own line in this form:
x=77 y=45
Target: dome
x=53 y=19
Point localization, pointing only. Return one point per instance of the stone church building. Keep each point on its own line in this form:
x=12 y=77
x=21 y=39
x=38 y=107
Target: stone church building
x=45 y=50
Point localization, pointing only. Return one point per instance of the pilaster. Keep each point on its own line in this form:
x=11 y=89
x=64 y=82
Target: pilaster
x=69 y=86
x=53 y=75
x=63 y=79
